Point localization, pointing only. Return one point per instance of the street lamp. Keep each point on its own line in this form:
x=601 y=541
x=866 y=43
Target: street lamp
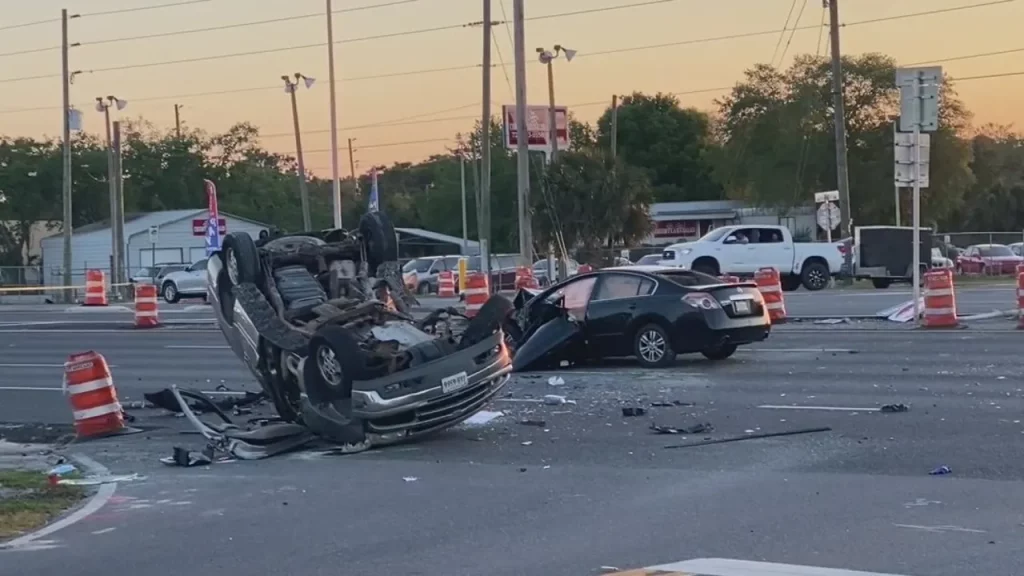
x=547 y=57
x=113 y=185
x=291 y=88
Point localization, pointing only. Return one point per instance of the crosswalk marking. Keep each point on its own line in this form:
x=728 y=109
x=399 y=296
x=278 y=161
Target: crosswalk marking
x=729 y=567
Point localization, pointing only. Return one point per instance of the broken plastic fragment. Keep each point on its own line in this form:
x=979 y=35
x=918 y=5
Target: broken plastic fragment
x=556 y=381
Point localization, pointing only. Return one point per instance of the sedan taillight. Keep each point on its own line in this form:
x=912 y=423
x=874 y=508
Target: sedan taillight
x=702 y=300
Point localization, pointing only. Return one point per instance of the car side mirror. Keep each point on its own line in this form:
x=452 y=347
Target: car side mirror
x=730 y=240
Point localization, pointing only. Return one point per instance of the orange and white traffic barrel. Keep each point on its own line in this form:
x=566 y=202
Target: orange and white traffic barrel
x=90 y=390
x=939 y=299
x=584 y=269
x=95 y=288
x=477 y=292
x=446 y=284
x=147 y=314
x=525 y=278
x=769 y=284
x=1020 y=297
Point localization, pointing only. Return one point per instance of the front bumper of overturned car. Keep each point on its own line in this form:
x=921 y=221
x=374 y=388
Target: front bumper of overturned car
x=426 y=407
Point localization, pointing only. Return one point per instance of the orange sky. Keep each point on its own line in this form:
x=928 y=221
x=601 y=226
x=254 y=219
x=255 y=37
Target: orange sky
x=452 y=96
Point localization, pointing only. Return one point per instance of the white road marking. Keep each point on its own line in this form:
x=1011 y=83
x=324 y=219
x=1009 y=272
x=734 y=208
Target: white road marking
x=99 y=500
x=105 y=331
x=196 y=347
x=729 y=567
x=798 y=350
x=61 y=365
x=104 y=531
x=939 y=529
x=832 y=408
x=52 y=389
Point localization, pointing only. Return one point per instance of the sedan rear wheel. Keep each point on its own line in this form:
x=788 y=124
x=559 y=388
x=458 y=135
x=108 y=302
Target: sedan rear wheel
x=653 y=347
x=720 y=353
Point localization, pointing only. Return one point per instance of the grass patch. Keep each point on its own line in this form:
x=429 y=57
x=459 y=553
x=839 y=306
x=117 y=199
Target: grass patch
x=27 y=501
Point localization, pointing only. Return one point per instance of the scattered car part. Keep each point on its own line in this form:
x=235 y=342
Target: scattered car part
x=750 y=437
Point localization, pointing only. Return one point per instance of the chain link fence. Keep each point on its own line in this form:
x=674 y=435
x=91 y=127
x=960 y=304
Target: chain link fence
x=40 y=284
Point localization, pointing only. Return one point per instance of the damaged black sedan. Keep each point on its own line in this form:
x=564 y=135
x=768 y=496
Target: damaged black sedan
x=322 y=321
x=651 y=313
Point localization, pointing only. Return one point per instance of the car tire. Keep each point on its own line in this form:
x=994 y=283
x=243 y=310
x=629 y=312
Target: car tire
x=494 y=314
x=378 y=239
x=881 y=283
x=790 y=283
x=653 y=347
x=423 y=289
x=241 y=260
x=814 y=276
x=170 y=293
x=706 y=266
x=333 y=362
x=721 y=353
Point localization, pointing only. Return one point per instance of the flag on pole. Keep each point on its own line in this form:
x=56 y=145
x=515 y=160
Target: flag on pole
x=374 y=198
x=213 y=222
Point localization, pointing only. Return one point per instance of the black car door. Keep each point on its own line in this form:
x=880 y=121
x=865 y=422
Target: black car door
x=615 y=303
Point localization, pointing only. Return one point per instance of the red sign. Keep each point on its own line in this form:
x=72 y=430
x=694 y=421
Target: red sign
x=538 y=127
x=199 y=226
x=675 y=228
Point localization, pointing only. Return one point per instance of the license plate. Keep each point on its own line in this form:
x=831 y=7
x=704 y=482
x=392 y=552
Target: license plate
x=453 y=383
x=741 y=306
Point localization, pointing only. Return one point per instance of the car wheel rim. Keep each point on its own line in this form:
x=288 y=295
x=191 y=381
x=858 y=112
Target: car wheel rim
x=233 y=267
x=652 y=346
x=817 y=278
x=330 y=369
x=169 y=293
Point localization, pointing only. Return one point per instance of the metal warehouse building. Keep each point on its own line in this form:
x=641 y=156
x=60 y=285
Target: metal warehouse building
x=169 y=236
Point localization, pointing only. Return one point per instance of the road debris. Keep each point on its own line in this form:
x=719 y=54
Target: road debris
x=556 y=400
x=556 y=381
x=535 y=423
x=672 y=404
x=941 y=471
x=631 y=412
x=482 y=418
x=695 y=429
x=409 y=478
x=97 y=480
x=750 y=437
x=186 y=459
x=893 y=408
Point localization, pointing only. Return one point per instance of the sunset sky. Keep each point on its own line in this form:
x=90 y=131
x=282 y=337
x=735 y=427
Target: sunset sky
x=604 y=65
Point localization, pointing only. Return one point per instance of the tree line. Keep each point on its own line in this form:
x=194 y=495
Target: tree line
x=768 y=142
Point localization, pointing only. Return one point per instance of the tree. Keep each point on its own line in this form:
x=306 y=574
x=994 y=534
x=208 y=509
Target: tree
x=778 y=145
x=996 y=200
x=673 y=144
x=592 y=201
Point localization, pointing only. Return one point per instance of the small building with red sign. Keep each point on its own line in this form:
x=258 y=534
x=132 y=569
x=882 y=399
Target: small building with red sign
x=151 y=238
x=685 y=221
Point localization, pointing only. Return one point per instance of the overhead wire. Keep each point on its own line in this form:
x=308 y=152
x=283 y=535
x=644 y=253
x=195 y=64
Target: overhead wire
x=216 y=57
x=785 y=25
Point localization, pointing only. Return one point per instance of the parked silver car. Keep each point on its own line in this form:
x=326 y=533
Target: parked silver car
x=155 y=274
x=188 y=283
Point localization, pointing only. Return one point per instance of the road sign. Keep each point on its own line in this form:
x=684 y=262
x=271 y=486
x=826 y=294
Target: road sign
x=905 y=157
x=828 y=216
x=919 y=104
x=830 y=196
x=538 y=127
x=154 y=231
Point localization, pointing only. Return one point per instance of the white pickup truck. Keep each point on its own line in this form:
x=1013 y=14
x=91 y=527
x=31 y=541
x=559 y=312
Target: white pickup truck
x=742 y=250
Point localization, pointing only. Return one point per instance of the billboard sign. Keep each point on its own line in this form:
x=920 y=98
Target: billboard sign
x=537 y=125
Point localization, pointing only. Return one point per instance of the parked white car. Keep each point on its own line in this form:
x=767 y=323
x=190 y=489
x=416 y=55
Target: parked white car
x=742 y=250
x=187 y=283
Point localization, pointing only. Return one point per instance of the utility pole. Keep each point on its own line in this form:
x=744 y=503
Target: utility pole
x=522 y=142
x=615 y=126
x=177 y=120
x=352 y=163
x=292 y=88
x=465 y=220
x=117 y=221
x=485 y=151
x=66 y=189
x=336 y=190
x=842 y=175
x=111 y=185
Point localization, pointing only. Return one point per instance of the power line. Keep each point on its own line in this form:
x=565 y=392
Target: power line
x=27 y=24
x=387 y=144
x=967 y=57
x=143 y=8
x=986 y=76
x=785 y=25
x=476 y=66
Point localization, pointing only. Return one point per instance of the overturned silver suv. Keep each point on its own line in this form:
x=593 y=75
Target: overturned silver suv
x=324 y=323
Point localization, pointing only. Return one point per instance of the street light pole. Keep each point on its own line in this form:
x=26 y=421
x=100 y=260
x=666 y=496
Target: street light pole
x=292 y=88
x=523 y=137
x=177 y=120
x=485 y=150
x=336 y=191
x=547 y=57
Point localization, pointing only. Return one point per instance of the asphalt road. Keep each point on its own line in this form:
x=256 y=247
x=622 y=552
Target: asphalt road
x=589 y=488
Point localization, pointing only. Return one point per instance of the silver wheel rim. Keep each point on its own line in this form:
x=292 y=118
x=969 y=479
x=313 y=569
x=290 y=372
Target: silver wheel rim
x=329 y=367
x=233 y=267
x=816 y=278
x=651 y=346
x=169 y=292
